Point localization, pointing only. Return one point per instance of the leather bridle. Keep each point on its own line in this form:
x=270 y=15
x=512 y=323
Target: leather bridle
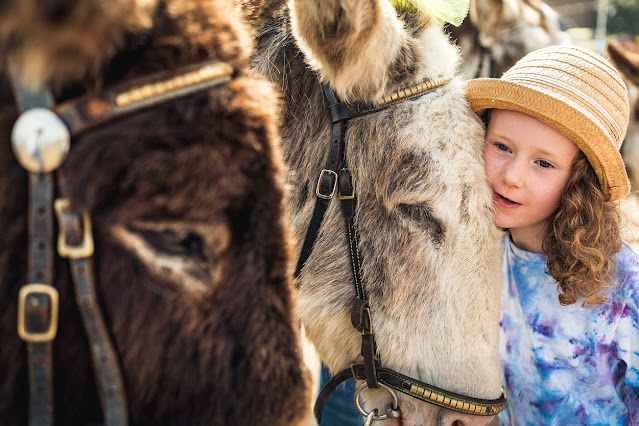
x=41 y=139
x=335 y=181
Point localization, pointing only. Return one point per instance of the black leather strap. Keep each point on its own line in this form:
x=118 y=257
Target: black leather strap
x=432 y=394
x=325 y=188
x=37 y=307
x=328 y=389
x=311 y=235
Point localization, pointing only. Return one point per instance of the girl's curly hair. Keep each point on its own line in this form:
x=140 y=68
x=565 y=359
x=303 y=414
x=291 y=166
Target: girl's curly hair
x=581 y=238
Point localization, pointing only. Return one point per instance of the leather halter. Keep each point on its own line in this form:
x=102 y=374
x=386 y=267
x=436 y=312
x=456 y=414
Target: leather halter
x=336 y=178
x=38 y=300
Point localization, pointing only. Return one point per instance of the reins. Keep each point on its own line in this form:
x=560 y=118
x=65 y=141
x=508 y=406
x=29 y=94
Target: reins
x=41 y=139
x=335 y=181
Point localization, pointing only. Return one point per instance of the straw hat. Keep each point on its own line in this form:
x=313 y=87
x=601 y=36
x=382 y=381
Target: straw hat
x=575 y=91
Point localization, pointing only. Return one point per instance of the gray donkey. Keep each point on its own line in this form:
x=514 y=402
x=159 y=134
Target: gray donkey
x=380 y=142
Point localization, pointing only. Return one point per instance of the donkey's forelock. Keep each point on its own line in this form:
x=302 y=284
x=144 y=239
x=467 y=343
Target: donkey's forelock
x=69 y=38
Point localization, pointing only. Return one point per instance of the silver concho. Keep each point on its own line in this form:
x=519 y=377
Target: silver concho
x=40 y=140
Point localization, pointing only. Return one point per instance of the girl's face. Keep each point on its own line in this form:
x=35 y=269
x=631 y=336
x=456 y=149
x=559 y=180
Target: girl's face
x=528 y=165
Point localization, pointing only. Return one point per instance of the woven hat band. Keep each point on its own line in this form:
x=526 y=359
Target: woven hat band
x=589 y=75
x=574 y=97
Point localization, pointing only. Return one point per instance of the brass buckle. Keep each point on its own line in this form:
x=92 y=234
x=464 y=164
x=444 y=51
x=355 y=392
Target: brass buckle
x=347 y=196
x=84 y=249
x=370 y=322
x=51 y=331
x=319 y=181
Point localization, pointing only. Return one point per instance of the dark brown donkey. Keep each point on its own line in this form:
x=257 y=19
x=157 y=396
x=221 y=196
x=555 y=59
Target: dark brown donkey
x=191 y=259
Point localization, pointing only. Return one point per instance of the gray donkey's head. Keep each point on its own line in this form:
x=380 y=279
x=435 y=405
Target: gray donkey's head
x=426 y=240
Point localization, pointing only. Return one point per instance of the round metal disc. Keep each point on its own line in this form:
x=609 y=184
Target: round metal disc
x=40 y=140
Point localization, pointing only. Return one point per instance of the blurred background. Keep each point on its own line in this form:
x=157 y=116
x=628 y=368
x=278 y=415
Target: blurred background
x=591 y=22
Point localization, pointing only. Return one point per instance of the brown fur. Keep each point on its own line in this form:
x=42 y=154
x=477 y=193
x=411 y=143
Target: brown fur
x=197 y=182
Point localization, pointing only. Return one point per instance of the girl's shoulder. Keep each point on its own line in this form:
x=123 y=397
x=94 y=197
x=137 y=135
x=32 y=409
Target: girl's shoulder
x=627 y=261
x=627 y=281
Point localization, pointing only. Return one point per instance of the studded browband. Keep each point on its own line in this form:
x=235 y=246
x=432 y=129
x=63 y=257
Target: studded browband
x=41 y=141
x=336 y=179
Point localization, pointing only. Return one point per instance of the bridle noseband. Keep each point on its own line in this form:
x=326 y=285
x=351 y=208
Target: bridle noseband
x=336 y=180
x=41 y=139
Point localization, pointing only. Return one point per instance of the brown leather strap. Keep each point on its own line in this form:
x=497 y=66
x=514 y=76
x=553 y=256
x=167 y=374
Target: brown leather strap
x=38 y=306
x=37 y=309
x=80 y=114
x=74 y=231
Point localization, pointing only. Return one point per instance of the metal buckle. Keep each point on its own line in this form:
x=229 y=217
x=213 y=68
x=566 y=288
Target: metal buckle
x=318 y=192
x=344 y=172
x=49 y=334
x=85 y=248
x=370 y=322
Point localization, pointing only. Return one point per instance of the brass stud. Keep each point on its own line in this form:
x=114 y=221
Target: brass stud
x=413 y=389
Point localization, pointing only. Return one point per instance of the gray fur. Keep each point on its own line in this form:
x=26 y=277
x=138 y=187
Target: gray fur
x=429 y=244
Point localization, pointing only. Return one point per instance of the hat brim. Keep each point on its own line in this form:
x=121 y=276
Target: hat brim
x=568 y=119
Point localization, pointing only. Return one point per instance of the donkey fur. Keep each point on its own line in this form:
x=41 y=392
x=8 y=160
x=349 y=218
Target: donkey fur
x=505 y=30
x=192 y=258
x=429 y=246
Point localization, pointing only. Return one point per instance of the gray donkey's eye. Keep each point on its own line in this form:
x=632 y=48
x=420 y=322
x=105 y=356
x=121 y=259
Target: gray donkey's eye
x=422 y=215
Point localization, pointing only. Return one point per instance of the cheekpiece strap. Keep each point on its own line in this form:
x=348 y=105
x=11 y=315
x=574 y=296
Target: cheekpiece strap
x=38 y=301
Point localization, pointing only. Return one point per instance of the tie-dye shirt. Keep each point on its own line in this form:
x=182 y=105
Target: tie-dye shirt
x=568 y=365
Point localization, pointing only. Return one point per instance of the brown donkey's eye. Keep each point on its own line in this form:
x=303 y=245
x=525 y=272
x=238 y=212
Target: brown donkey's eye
x=176 y=242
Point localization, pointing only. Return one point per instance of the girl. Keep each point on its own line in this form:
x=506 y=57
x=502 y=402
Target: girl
x=570 y=303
